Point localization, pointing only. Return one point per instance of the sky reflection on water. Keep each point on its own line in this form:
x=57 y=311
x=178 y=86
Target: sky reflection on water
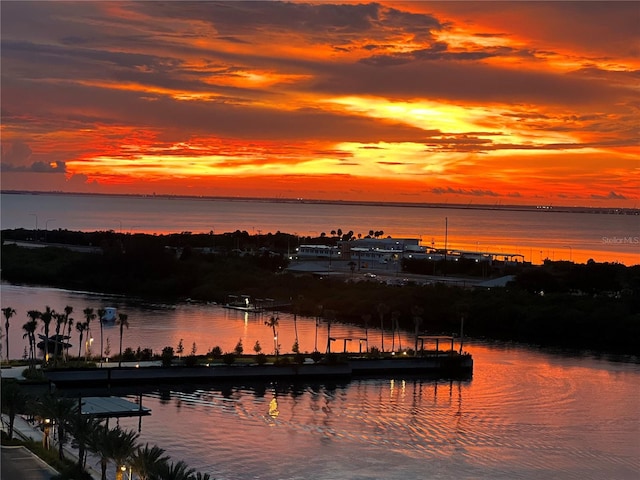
x=525 y=414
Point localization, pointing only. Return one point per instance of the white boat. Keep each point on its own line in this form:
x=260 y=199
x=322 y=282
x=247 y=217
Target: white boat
x=243 y=303
x=109 y=315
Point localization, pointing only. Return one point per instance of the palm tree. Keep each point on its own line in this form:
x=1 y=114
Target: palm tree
x=273 y=323
x=201 y=476
x=416 y=311
x=296 y=312
x=99 y=443
x=13 y=402
x=8 y=312
x=88 y=315
x=318 y=315
x=46 y=318
x=67 y=312
x=101 y=313
x=60 y=318
x=123 y=321
x=123 y=446
x=69 y=327
x=395 y=315
x=176 y=471
x=366 y=318
x=30 y=327
x=147 y=461
x=81 y=327
x=383 y=309
x=60 y=410
x=82 y=428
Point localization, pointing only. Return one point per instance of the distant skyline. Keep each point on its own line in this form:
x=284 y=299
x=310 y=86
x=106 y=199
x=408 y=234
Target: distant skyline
x=401 y=101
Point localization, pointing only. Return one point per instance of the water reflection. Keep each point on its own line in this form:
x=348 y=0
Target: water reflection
x=525 y=414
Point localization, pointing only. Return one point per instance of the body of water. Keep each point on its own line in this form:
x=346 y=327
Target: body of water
x=525 y=414
x=535 y=234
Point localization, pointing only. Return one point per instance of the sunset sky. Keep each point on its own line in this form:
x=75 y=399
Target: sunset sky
x=459 y=102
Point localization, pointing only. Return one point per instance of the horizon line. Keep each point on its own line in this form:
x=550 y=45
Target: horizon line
x=468 y=206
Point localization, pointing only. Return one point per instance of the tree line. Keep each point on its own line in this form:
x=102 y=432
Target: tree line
x=592 y=306
x=62 y=324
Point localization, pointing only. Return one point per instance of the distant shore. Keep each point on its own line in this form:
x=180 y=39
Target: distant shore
x=469 y=206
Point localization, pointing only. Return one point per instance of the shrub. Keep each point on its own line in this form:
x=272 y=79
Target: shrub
x=229 y=358
x=239 y=348
x=261 y=359
x=283 y=361
x=316 y=356
x=331 y=358
x=145 y=354
x=33 y=374
x=190 y=360
x=167 y=356
x=128 y=355
x=216 y=352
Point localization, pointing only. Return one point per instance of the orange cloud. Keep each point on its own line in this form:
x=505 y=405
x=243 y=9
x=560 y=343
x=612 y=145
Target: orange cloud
x=507 y=102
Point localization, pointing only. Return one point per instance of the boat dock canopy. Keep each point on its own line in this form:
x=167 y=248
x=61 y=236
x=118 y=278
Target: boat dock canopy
x=112 y=407
x=437 y=339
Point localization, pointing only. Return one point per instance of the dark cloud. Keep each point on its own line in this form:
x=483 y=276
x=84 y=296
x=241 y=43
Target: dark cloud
x=248 y=17
x=54 y=167
x=462 y=191
x=236 y=19
x=16 y=153
x=464 y=82
x=54 y=103
x=611 y=196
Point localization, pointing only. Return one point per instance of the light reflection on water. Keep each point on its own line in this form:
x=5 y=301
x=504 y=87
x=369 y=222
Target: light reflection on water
x=525 y=414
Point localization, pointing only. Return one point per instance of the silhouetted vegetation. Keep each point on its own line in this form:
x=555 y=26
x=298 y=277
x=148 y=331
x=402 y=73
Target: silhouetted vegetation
x=586 y=306
x=113 y=446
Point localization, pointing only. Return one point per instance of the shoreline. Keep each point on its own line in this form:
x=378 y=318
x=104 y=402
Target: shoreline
x=458 y=206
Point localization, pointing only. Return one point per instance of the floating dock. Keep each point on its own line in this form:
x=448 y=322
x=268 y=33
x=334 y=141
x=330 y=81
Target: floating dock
x=438 y=364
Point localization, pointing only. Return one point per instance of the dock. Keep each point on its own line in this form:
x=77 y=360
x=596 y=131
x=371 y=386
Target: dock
x=107 y=407
x=345 y=367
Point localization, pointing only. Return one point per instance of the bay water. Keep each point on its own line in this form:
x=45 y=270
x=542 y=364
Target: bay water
x=537 y=234
x=525 y=413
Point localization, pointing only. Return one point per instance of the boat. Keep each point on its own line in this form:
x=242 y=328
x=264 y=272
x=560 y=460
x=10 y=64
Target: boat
x=243 y=303
x=53 y=340
x=109 y=315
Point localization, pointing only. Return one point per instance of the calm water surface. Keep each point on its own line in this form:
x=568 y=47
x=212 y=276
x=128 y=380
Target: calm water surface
x=526 y=414
x=534 y=234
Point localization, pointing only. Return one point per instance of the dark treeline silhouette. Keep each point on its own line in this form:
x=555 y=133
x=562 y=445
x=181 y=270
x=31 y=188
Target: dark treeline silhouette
x=592 y=306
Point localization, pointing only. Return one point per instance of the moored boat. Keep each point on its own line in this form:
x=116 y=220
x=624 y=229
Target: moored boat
x=109 y=315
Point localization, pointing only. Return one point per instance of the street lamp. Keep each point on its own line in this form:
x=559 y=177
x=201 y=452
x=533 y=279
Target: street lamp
x=35 y=215
x=570 y=252
x=46 y=227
